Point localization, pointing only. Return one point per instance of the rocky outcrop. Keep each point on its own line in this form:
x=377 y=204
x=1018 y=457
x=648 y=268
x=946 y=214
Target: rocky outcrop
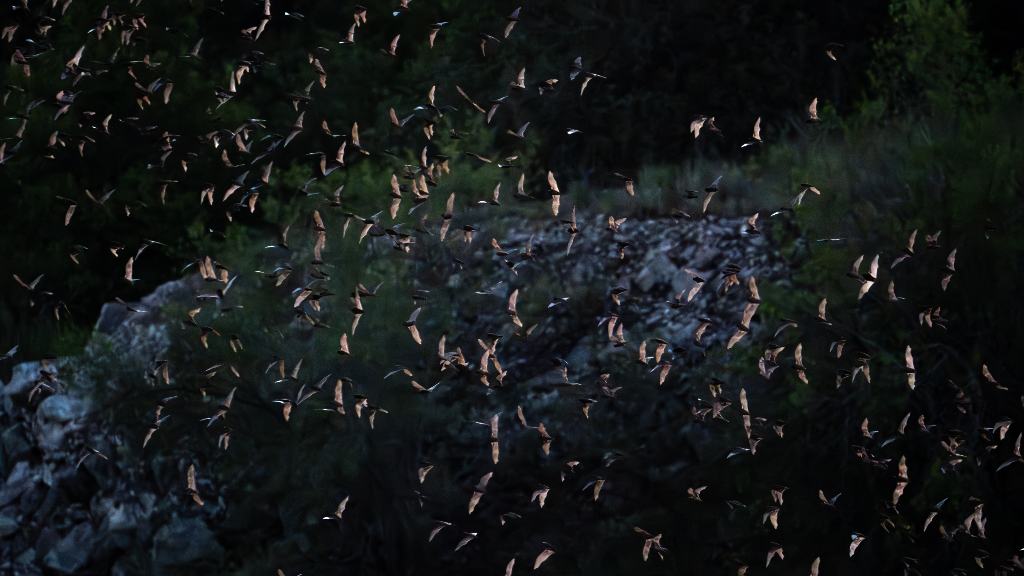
x=64 y=509
x=183 y=541
x=652 y=263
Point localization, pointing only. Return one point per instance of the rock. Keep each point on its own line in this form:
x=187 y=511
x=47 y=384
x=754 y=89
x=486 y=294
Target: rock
x=31 y=499
x=681 y=281
x=46 y=506
x=125 y=566
x=72 y=551
x=21 y=479
x=706 y=257
x=123 y=522
x=112 y=316
x=60 y=408
x=47 y=539
x=25 y=564
x=144 y=334
x=655 y=256
x=8 y=524
x=56 y=416
x=23 y=377
x=15 y=443
x=657 y=269
x=121 y=516
x=185 y=540
x=115 y=317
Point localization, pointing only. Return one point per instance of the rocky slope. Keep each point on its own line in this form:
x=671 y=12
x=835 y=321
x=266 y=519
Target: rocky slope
x=66 y=509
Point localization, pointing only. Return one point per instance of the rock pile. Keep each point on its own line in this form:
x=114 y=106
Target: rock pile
x=66 y=509
x=63 y=508
x=654 y=263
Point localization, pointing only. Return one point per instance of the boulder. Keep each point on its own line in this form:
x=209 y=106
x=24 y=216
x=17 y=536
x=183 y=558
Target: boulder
x=25 y=563
x=183 y=541
x=71 y=552
x=60 y=408
x=657 y=269
x=8 y=523
x=144 y=334
x=123 y=520
x=56 y=416
x=15 y=442
x=23 y=377
x=21 y=478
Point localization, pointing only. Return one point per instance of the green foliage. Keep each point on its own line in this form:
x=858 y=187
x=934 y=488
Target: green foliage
x=932 y=58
